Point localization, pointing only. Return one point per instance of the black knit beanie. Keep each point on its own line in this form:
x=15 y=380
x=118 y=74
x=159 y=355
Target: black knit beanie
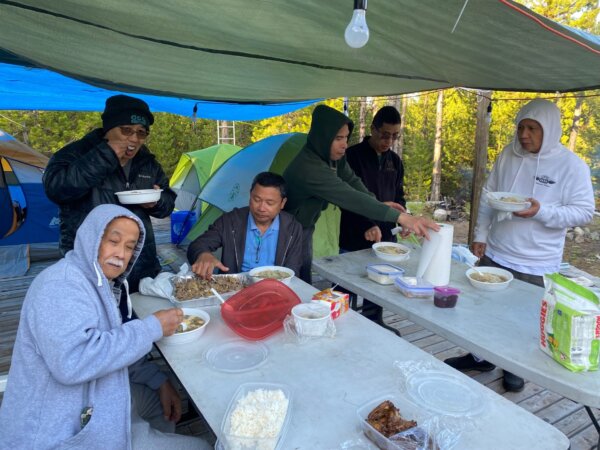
x=126 y=110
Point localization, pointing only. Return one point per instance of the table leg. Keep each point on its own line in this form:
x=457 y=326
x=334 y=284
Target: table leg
x=595 y=422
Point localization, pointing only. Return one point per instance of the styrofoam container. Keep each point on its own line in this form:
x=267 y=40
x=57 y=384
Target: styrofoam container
x=391 y=256
x=186 y=337
x=490 y=286
x=408 y=411
x=495 y=199
x=230 y=441
x=414 y=287
x=384 y=273
x=255 y=274
x=311 y=319
x=139 y=196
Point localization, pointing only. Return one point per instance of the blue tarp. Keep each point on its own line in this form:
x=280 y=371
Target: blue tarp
x=23 y=88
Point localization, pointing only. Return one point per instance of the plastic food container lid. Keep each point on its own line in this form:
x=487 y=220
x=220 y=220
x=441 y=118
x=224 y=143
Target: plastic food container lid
x=259 y=310
x=237 y=356
x=444 y=393
x=414 y=284
x=385 y=269
x=446 y=290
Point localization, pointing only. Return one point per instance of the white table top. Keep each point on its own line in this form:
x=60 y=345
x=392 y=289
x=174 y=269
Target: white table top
x=332 y=378
x=501 y=327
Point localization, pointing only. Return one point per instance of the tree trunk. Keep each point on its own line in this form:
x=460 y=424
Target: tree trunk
x=361 y=118
x=575 y=126
x=480 y=160
x=436 y=178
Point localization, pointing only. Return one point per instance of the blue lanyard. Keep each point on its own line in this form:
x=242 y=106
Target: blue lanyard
x=258 y=242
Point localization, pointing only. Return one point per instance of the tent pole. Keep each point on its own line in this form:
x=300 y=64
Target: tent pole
x=480 y=160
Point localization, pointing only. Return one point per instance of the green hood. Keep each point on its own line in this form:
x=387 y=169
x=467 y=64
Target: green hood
x=326 y=122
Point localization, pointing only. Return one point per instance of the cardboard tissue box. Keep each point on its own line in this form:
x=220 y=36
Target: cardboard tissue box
x=338 y=301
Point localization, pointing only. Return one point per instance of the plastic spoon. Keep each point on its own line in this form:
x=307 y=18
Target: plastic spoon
x=214 y=291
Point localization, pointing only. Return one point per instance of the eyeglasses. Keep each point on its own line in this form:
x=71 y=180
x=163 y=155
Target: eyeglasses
x=128 y=131
x=387 y=136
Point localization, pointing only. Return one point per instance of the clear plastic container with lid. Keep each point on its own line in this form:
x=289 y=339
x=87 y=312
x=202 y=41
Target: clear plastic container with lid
x=445 y=296
x=414 y=287
x=384 y=273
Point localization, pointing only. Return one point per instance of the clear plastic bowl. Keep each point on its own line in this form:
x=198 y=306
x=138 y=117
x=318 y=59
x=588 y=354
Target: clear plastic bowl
x=384 y=273
x=230 y=441
x=414 y=287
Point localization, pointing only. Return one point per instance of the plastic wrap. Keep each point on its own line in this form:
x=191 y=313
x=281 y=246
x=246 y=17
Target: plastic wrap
x=297 y=332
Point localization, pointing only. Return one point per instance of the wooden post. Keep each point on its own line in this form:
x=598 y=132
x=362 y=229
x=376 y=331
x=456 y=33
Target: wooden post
x=480 y=160
x=436 y=177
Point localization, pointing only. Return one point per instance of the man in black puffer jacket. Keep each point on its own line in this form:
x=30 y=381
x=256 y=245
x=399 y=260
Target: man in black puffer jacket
x=88 y=172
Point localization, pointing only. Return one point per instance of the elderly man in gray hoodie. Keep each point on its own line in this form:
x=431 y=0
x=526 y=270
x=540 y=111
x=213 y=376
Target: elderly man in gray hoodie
x=69 y=383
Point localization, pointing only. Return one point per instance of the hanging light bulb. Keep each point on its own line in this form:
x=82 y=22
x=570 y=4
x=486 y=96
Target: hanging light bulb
x=357 y=31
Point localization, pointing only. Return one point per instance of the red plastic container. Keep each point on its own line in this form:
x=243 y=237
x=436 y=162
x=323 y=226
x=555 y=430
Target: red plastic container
x=259 y=310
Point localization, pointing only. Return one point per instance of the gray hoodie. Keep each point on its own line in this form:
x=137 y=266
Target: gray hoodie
x=72 y=352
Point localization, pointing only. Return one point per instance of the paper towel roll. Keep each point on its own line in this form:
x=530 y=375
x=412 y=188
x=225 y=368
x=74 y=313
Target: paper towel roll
x=434 y=265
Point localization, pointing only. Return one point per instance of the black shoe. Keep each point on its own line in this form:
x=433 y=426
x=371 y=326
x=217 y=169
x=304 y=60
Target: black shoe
x=467 y=362
x=512 y=383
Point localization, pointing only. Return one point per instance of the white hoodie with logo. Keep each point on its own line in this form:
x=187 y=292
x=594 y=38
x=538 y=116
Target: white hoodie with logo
x=555 y=177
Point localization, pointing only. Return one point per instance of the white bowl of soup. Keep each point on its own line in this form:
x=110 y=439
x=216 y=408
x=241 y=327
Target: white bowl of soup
x=391 y=251
x=193 y=326
x=489 y=278
x=278 y=273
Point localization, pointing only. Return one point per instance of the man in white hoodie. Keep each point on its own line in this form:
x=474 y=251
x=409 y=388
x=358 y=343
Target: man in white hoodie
x=559 y=186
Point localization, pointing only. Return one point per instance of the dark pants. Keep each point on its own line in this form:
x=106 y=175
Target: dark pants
x=370 y=310
x=538 y=280
x=307 y=251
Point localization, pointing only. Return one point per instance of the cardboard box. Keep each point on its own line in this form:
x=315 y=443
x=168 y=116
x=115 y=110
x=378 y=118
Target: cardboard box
x=337 y=301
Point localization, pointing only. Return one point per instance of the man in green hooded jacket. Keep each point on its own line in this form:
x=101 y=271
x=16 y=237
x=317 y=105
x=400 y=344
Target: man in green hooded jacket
x=320 y=175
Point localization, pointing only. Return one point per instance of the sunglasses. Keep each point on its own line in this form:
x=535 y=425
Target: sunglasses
x=128 y=131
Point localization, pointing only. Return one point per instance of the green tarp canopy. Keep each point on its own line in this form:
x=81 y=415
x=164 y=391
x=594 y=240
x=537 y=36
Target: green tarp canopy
x=288 y=50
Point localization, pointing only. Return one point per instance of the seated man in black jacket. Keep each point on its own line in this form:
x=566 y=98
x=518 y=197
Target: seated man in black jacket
x=260 y=234
x=87 y=173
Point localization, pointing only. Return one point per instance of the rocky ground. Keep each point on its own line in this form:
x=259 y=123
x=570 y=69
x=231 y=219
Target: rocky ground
x=582 y=245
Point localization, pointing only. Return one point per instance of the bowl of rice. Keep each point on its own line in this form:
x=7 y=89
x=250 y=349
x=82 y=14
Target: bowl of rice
x=391 y=251
x=278 y=273
x=489 y=278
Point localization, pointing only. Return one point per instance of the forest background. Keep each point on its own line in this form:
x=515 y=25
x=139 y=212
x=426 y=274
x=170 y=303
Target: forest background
x=437 y=142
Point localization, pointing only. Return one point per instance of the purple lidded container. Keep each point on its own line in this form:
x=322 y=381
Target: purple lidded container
x=445 y=296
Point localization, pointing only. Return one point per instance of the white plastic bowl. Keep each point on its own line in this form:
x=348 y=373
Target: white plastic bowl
x=490 y=286
x=257 y=270
x=390 y=256
x=496 y=202
x=311 y=319
x=188 y=336
x=139 y=196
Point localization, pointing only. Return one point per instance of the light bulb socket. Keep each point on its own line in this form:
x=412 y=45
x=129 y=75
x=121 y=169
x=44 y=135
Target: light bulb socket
x=360 y=4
